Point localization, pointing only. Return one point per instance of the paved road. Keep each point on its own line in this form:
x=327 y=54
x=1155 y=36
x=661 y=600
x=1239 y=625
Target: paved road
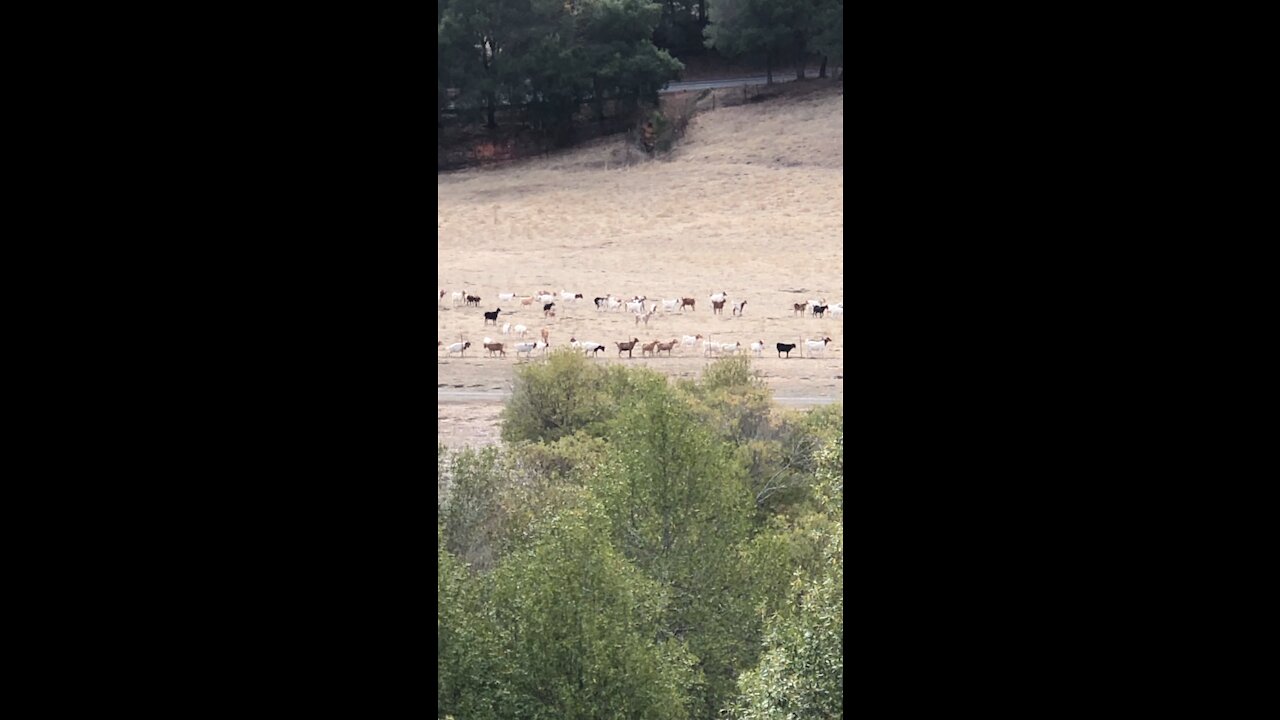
x=497 y=396
x=778 y=77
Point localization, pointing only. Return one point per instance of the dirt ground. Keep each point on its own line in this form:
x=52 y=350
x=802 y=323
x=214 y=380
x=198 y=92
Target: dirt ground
x=750 y=203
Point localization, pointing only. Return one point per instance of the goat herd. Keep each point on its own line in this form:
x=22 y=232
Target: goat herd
x=643 y=310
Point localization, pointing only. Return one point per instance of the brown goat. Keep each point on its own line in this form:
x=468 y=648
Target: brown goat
x=667 y=346
x=717 y=307
x=546 y=335
x=626 y=346
x=800 y=308
x=647 y=348
x=526 y=301
x=687 y=302
x=495 y=348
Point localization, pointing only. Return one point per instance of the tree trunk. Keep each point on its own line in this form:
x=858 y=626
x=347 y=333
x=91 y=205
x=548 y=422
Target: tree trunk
x=489 y=106
x=801 y=60
x=822 y=70
x=702 y=12
x=598 y=95
x=768 y=68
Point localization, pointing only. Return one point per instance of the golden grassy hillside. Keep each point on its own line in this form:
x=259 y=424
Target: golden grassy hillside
x=750 y=202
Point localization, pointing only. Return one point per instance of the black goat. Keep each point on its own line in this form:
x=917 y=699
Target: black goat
x=818 y=310
x=492 y=316
x=786 y=348
x=473 y=300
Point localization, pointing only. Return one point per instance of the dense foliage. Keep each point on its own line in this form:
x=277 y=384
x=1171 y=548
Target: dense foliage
x=552 y=57
x=676 y=555
x=779 y=30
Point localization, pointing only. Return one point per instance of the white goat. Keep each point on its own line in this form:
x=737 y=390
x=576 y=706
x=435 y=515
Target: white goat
x=520 y=330
x=757 y=347
x=506 y=296
x=670 y=305
x=816 y=346
x=460 y=348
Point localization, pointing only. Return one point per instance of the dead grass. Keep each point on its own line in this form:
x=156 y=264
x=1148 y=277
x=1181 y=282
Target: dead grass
x=751 y=202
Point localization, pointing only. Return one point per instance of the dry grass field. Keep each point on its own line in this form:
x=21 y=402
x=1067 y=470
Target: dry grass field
x=750 y=203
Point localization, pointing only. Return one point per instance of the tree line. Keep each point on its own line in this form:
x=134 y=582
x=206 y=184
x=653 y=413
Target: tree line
x=642 y=548
x=554 y=56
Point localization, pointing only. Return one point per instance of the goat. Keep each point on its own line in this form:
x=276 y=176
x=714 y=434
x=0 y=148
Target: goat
x=814 y=346
x=526 y=301
x=567 y=296
x=439 y=299
x=636 y=306
x=690 y=340
x=506 y=328
x=492 y=316
x=739 y=307
x=786 y=348
x=503 y=297
x=599 y=302
x=670 y=305
x=687 y=303
x=460 y=348
x=547 y=308
x=495 y=348
x=520 y=330
x=645 y=317
x=719 y=297
x=647 y=348
x=614 y=303
x=757 y=347
x=799 y=308
x=731 y=348
x=837 y=310
x=591 y=347
x=457 y=296
x=667 y=346
x=546 y=335
x=473 y=300
x=818 y=310
x=526 y=347
x=626 y=346
x=717 y=307
x=546 y=297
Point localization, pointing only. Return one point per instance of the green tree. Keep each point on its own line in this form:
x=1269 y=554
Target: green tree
x=475 y=40
x=466 y=648
x=616 y=54
x=828 y=37
x=580 y=630
x=556 y=398
x=680 y=510
x=749 y=26
x=777 y=28
x=801 y=673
